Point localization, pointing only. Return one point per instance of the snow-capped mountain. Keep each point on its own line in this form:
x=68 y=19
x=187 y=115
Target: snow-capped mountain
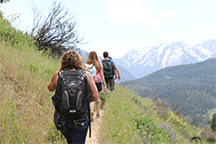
x=143 y=61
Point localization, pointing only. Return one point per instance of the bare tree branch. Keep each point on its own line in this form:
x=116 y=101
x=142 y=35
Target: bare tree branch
x=57 y=31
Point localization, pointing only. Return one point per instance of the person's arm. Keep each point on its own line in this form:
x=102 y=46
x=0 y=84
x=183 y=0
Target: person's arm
x=53 y=83
x=92 y=87
x=115 y=74
x=117 y=70
x=103 y=79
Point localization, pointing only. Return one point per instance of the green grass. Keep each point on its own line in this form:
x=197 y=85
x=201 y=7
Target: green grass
x=129 y=118
x=26 y=112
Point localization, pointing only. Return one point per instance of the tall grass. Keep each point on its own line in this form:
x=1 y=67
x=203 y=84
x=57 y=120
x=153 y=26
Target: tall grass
x=26 y=110
x=129 y=118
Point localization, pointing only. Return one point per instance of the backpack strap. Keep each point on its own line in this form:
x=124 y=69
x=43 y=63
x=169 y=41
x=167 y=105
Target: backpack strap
x=87 y=116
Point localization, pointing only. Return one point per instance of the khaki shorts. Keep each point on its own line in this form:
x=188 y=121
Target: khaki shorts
x=110 y=84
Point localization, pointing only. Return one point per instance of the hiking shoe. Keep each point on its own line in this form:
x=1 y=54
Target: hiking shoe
x=98 y=115
x=91 y=116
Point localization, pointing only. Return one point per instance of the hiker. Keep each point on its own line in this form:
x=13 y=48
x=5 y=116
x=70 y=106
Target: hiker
x=94 y=62
x=74 y=130
x=110 y=69
x=115 y=69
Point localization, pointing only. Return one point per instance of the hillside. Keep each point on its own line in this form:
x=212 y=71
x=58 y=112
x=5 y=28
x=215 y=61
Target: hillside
x=193 y=86
x=27 y=112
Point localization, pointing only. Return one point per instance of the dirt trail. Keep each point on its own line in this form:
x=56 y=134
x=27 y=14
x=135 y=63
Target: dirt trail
x=95 y=129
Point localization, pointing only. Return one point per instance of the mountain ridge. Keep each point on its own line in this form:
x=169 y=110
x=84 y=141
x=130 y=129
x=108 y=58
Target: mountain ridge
x=143 y=61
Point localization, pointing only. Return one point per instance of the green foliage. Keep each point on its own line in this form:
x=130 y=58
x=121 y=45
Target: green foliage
x=129 y=118
x=103 y=97
x=213 y=122
x=15 y=37
x=54 y=135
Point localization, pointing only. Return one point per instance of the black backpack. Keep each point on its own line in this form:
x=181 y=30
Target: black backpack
x=72 y=96
x=108 y=68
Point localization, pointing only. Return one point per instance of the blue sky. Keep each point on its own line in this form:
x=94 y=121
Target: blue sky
x=117 y=26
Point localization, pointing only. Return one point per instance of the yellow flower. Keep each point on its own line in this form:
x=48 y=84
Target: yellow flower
x=162 y=140
x=157 y=118
x=143 y=116
x=154 y=106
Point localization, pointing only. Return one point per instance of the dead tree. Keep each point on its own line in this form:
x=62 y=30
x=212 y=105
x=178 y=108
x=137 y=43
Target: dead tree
x=4 y=1
x=57 y=31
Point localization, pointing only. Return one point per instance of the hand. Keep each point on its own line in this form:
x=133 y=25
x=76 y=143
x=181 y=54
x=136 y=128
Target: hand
x=105 y=88
x=119 y=77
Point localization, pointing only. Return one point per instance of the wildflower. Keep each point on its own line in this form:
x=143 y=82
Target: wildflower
x=198 y=133
x=154 y=106
x=161 y=127
x=170 y=133
x=162 y=140
x=143 y=116
x=157 y=119
x=167 y=128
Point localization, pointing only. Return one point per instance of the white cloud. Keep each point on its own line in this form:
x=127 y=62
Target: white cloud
x=98 y=32
x=167 y=15
x=132 y=11
x=174 y=14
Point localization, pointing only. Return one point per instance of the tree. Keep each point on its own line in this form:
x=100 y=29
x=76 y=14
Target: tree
x=57 y=31
x=213 y=122
x=4 y=1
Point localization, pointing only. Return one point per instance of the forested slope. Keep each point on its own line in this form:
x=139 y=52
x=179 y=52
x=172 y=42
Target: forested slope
x=193 y=86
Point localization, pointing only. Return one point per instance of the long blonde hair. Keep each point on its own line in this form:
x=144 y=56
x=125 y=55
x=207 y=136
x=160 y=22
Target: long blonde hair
x=71 y=59
x=93 y=59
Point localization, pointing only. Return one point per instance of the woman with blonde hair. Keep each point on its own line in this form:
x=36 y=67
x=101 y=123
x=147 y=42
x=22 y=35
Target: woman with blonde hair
x=94 y=60
x=74 y=130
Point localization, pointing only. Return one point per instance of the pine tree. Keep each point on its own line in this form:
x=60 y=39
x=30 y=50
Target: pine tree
x=213 y=122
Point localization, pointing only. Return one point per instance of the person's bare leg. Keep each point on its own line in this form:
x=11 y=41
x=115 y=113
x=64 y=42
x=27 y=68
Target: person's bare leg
x=98 y=107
